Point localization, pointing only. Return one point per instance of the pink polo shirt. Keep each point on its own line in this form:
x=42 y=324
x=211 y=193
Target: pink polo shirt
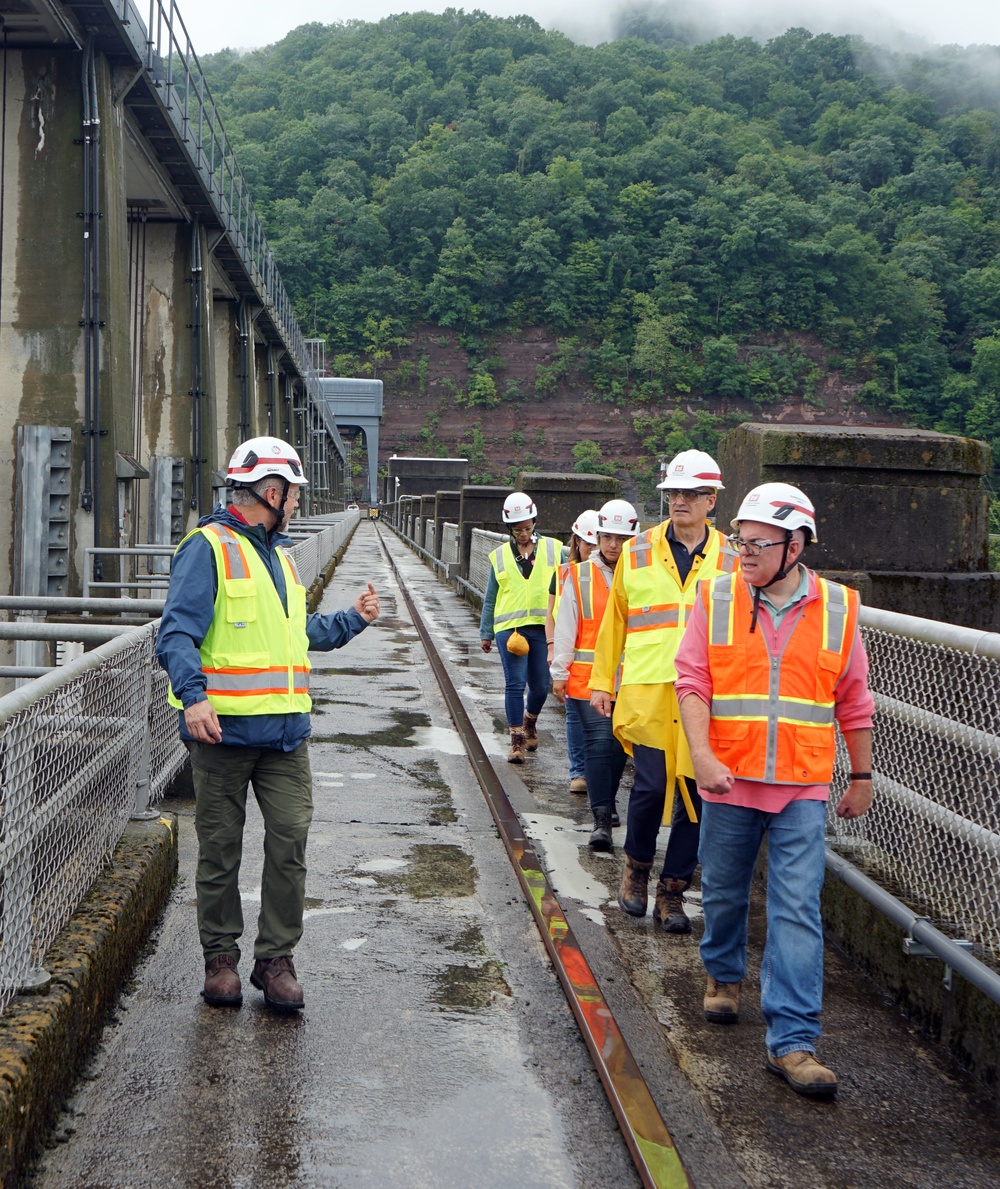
x=853 y=706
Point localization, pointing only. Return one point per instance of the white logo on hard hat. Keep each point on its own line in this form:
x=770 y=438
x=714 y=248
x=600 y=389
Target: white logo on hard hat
x=617 y=518
x=678 y=468
x=275 y=449
x=752 y=499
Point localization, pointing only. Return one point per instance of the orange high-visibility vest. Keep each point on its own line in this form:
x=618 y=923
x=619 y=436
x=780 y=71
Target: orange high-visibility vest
x=592 y=585
x=562 y=573
x=770 y=721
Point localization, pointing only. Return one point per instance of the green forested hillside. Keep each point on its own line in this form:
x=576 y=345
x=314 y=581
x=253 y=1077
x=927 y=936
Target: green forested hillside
x=681 y=215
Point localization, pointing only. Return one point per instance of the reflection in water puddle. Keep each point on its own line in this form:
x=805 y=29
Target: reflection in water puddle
x=559 y=839
x=353 y=943
x=382 y=865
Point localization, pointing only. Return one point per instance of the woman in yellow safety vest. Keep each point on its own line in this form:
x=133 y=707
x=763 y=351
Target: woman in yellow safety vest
x=515 y=606
x=583 y=540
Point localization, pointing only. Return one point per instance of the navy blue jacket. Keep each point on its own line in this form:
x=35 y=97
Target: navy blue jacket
x=187 y=616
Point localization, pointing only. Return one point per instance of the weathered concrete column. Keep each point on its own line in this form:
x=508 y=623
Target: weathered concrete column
x=561 y=498
x=900 y=512
x=426 y=513
x=479 y=507
x=424 y=476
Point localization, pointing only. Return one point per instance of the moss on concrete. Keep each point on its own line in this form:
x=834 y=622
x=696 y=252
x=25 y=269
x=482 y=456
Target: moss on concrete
x=45 y=1038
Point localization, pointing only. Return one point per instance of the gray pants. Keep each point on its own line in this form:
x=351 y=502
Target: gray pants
x=282 y=784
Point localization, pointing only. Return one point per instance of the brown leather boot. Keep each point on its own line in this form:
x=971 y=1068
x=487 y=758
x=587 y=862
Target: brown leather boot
x=222 y=982
x=804 y=1074
x=516 y=753
x=276 y=978
x=722 y=1002
x=632 y=895
x=530 y=732
x=668 y=908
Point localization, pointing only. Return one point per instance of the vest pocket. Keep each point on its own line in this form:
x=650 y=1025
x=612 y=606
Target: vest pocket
x=241 y=600
x=724 y=736
x=815 y=750
x=828 y=666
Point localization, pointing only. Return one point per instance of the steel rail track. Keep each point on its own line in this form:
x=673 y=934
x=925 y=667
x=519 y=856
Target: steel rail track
x=653 y=1150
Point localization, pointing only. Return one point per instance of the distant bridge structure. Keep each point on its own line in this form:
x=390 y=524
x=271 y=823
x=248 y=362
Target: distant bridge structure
x=357 y=404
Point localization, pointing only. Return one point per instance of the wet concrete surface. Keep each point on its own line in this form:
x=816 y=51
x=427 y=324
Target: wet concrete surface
x=436 y=1046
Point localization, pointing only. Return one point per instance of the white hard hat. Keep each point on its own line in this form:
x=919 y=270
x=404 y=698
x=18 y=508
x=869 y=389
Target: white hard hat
x=779 y=504
x=260 y=457
x=517 y=507
x=585 y=526
x=690 y=469
x=618 y=517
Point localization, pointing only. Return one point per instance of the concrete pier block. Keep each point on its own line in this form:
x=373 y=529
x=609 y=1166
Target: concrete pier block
x=561 y=498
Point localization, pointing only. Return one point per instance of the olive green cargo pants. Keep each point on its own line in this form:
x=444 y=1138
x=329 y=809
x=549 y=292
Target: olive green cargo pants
x=282 y=784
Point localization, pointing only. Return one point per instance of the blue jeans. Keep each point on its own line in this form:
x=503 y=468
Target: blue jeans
x=574 y=738
x=791 y=975
x=645 y=815
x=531 y=670
x=605 y=755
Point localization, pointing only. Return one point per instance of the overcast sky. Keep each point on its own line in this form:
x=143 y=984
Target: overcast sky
x=215 y=24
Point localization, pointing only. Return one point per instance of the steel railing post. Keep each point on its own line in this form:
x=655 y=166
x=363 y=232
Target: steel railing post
x=141 y=811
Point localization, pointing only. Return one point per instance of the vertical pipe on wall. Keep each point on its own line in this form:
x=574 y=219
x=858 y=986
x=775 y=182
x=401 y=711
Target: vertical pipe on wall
x=86 y=495
x=271 y=385
x=244 y=333
x=95 y=308
x=197 y=343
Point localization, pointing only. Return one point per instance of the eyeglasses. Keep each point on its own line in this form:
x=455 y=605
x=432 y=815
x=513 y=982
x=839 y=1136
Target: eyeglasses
x=675 y=493
x=752 y=548
x=613 y=538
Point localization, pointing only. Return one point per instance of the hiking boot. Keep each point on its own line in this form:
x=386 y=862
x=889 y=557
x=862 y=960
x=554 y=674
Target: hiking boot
x=578 y=784
x=804 y=1074
x=222 y=982
x=276 y=978
x=601 y=839
x=615 y=819
x=530 y=732
x=669 y=906
x=632 y=894
x=516 y=753
x=722 y=1002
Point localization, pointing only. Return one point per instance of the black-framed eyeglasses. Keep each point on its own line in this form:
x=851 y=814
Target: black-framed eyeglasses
x=674 y=493
x=752 y=548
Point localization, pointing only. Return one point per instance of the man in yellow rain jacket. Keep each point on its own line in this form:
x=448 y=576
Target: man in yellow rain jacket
x=654 y=590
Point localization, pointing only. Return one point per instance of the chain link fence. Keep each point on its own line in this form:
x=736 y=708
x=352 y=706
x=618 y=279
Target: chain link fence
x=932 y=837
x=430 y=536
x=483 y=544
x=451 y=543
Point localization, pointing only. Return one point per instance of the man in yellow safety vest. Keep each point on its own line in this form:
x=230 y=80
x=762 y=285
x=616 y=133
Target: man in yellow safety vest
x=654 y=589
x=234 y=639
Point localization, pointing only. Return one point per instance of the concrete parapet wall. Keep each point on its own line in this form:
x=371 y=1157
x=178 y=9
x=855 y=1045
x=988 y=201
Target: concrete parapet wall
x=447 y=506
x=479 y=507
x=561 y=498
x=45 y=1038
x=424 y=476
x=961 y=1018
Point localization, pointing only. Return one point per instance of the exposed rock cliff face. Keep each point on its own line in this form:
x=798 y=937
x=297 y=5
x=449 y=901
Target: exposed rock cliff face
x=538 y=403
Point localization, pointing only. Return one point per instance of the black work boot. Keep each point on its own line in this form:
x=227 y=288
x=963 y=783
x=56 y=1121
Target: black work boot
x=601 y=838
x=669 y=906
x=632 y=894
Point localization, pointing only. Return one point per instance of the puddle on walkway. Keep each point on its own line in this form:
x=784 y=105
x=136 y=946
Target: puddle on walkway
x=470 y=988
x=559 y=840
x=438 y=870
x=402 y=734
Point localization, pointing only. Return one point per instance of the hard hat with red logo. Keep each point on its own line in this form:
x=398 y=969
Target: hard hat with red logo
x=259 y=458
x=690 y=469
x=779 y=504
x=618 y=517
x=585 y=526
x=517 y=507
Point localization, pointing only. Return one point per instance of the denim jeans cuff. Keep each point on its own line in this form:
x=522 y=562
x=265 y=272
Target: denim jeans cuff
x=801 y=1047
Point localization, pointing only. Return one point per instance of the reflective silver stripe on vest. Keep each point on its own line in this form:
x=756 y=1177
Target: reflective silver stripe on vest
x=719 y=605
x=728 y=560
x=236 y=566
x=291 y=566
x=531 y=613
x=550 y=550
x=642 y=551
x=836 y=616
x=652 y=619
x=235 y=683
x=787 y=710
x=583 y=576
x=584 y=654
x=498 y=554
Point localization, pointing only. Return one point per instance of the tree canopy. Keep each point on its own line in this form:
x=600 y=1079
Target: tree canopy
x=666 y=204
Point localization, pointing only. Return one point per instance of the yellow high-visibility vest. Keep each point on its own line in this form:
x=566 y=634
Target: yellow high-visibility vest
x=522 y=601
x=659 y=604
x=254 y=656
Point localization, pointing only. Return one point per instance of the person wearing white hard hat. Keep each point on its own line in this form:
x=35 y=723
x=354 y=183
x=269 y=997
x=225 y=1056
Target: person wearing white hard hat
x=772 y=659
x=583 y=540
x=655 y=587
x=234 y=639
x=581 y=613
x=514 y=611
